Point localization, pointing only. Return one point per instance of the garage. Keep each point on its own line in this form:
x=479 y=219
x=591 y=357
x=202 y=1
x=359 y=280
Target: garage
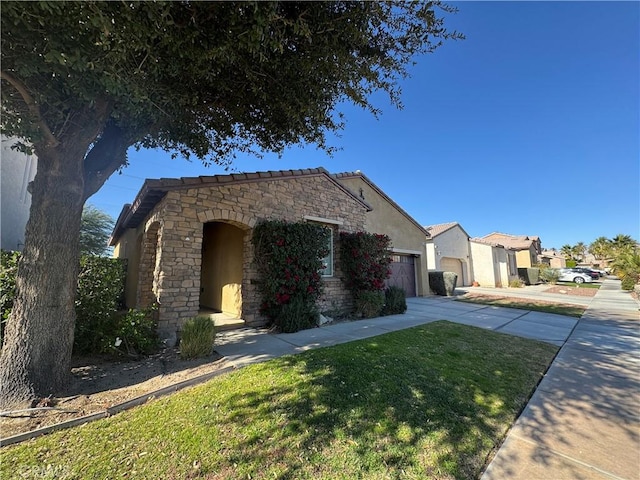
x=403 y=274
x=448 y=264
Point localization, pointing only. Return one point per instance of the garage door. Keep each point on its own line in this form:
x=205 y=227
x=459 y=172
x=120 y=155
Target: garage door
x=453 y=265
x=403 y=274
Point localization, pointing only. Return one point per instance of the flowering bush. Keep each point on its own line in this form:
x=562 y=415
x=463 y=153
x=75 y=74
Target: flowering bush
x=365 y=259
x=289 y=260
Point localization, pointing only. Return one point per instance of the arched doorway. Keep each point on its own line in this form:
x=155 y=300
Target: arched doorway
x=149 y=273
x=222 y=267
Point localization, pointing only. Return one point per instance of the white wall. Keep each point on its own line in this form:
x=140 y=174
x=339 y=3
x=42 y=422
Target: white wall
x=453 y=243
x=16 y=171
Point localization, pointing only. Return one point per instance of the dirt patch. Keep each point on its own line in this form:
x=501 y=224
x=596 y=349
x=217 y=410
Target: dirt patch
x=102 y=382
x=506 y=300
x=576 y=291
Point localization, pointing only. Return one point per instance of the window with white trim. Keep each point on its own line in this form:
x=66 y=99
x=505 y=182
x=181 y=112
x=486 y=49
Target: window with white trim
x=327 y=261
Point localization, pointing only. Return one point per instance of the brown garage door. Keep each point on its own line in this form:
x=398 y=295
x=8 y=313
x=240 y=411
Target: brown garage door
x=403 y=274
x=453 y=265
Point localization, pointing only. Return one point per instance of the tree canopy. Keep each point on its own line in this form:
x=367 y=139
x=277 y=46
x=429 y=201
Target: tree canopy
x=82 y=82
x=201 y=78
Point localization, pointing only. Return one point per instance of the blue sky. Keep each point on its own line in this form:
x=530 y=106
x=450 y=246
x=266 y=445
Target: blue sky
x=529 y=126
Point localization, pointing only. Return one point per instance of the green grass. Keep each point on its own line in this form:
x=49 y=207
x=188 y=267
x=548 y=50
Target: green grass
x=427 y=402
x=579 y=285
x=524 y=304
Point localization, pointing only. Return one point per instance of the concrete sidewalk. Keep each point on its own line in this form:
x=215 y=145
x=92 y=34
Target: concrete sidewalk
x=583 y=421
x=247 y=345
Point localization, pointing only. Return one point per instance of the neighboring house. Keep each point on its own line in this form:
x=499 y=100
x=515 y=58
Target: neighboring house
x=409 y=266
x=553 y=258
x=527 y=248
x=447 y=249
x=16 y=171
x=188 y=240
x=494 y=265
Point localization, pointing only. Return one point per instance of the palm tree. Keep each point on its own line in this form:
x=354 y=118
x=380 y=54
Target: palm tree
x=601 y=248
x=626 y=266
x=622 y=242
x=567 y=251
x=579 y=249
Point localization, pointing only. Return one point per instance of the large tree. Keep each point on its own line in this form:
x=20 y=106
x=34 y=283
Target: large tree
x=82 y=82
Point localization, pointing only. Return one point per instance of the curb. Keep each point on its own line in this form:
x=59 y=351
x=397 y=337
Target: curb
x=114 y=409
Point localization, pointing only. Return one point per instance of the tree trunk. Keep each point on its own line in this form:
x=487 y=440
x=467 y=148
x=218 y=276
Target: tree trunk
x=36 y=355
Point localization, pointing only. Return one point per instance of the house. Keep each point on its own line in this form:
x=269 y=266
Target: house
x=409 y=266
x=17 y=170
x=552 y=258
x=447 y=248
x=494 y=265
x=188 y=240
x=527 y=248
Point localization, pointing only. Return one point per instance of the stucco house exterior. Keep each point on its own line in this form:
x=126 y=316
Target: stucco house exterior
x=188 y=240
x=16 y=171
x=494 y=265
x=447 y=248
x=526 y=248
x=409 y=266
x=553 y=258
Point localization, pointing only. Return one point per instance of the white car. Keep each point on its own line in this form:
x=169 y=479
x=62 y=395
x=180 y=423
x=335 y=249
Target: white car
x=568 y=275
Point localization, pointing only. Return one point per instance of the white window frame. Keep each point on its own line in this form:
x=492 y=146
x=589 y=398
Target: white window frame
x=329 y=224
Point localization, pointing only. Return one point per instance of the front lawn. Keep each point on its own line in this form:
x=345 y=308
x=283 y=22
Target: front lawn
x=427 y=402
x=525 y=304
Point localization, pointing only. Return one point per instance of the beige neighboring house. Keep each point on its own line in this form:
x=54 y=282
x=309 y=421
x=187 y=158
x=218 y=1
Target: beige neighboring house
x=188 y=240
x=494 y=265
x=527 y=248
x=553 y=258
x=409 y=266
x=447 y=247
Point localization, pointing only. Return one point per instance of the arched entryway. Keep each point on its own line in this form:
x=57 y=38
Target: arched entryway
x=149 y=271
x=222 y=268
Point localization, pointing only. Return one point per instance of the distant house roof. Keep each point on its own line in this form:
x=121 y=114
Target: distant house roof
x=440 y=228
x=488 y=242
x=514 y=242
x=358 y=174
x=154 y=190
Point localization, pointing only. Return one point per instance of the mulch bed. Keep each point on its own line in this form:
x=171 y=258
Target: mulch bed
x=575 y=291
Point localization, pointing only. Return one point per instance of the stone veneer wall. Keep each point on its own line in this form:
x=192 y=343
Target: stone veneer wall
x=182 y=213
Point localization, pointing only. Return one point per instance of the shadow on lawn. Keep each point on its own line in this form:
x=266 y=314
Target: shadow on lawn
x=423 y=400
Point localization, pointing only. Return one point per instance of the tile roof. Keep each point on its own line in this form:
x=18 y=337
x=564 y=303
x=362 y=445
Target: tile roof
x=153 y=190
x=516 y=242
x=435 y=230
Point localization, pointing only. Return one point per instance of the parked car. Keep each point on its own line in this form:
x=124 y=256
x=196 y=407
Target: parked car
x=592 y=273
x=569 y=275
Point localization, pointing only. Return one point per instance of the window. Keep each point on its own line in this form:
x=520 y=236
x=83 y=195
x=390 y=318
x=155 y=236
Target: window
x=327 y=223
x=327 y=271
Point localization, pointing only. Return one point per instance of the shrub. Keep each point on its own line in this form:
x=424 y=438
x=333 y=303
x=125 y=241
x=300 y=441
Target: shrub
x=289 y=260
x=530 y=276
x=630 y=280
x=99 y=296
x=369 y=304
x=443 y=283
x=8 y=270
x=394 y=301
x=516 y=283
x=364 y=260
x=197 y=338
x=549 y=275
x=135 y=333
x=297 y=315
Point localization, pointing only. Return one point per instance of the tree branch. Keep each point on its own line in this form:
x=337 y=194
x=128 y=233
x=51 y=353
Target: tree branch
x=108 y=153
x=32 y=106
